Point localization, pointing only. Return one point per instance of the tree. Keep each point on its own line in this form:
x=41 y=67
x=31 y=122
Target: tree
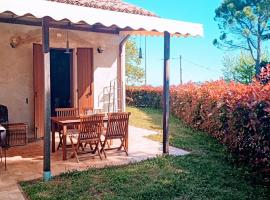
x=134 y=72
x=244 y=25
x=238 y=68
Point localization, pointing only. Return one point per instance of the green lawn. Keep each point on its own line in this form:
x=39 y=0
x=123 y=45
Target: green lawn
x=206 y=173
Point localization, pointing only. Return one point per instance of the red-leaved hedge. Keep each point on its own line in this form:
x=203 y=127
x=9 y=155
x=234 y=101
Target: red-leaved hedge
x=237 y=115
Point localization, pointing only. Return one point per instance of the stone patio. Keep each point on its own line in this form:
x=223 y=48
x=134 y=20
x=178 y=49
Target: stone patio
x=26 y=162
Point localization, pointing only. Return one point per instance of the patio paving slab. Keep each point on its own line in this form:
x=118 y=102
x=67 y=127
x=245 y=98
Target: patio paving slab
x=26 y=162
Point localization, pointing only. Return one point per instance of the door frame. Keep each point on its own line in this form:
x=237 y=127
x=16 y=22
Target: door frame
x=39 y=120
x=74 y=90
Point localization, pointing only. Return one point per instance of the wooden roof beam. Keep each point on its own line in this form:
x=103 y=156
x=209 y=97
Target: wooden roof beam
x=55 y=24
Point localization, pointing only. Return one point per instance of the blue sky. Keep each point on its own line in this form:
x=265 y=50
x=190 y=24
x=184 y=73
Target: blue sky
x=201 y=60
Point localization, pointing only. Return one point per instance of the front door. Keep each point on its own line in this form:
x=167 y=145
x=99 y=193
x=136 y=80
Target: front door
x=85 y=78
x=61 y=84
x=61 y=79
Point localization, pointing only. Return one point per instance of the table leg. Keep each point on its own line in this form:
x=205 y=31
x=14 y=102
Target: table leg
x=53 y=137
x=64 y=147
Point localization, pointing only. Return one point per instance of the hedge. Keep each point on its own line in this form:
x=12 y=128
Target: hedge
x=235 y=114
x=146 y=96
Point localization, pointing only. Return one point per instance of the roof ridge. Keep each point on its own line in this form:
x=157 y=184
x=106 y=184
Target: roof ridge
x=112 y=5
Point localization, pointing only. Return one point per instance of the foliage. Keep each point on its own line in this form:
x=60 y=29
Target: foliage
x=134 y=72
x=244 y=25
x=238 y=68
x=146 y=96
x=237 y=115
x=203 y=174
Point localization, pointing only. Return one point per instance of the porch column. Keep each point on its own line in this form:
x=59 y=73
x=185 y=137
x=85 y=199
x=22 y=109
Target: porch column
x=47 y=100
x=166 y=92
x=122 y=74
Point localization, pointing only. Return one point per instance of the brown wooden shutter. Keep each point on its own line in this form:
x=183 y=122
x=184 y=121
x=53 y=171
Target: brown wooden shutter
x=38 y=65
x=85 y=78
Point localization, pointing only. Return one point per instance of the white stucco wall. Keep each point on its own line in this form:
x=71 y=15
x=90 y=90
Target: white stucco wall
x=16 y=65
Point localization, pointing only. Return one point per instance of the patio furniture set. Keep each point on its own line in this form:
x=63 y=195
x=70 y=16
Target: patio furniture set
x=90 y=133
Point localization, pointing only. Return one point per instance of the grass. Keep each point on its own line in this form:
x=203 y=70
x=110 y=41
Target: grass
x=206 y=173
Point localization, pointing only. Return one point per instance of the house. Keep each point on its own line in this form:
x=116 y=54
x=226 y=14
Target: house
x=71 y=53
x=95 y=53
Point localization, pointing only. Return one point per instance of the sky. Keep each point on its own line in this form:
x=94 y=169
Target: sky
x=201 y=60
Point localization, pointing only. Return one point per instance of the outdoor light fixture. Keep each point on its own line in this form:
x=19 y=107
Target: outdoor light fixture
x=67 y=43
x=15 y=41
x=140 y=50
x=140 y=53
x=100 y=49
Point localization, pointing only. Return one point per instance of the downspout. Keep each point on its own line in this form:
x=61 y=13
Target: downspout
x=121 y=80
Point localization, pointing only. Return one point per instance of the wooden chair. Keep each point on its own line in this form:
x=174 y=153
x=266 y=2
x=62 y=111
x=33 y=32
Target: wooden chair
x=91 y=128
x=16 y=133
x=68 y=113
x=117 y=128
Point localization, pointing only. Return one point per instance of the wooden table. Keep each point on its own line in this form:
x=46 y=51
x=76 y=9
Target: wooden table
x=65 y=122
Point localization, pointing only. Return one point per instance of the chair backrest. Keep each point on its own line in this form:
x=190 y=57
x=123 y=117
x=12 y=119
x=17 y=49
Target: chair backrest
x=67 y=112
x=91 y=127
x=3 y=114
x=117 y=124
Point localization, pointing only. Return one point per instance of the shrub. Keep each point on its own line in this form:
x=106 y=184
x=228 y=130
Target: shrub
x=237 y=115
x=146 y=96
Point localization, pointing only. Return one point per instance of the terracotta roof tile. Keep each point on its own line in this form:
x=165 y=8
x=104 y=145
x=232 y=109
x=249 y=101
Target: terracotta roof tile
x=113 y=5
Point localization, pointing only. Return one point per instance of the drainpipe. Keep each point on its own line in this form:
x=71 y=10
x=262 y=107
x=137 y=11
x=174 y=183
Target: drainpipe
x=121 y=80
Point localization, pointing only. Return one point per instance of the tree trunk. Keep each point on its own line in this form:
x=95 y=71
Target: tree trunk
x=258 y=60
x=259 y=41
